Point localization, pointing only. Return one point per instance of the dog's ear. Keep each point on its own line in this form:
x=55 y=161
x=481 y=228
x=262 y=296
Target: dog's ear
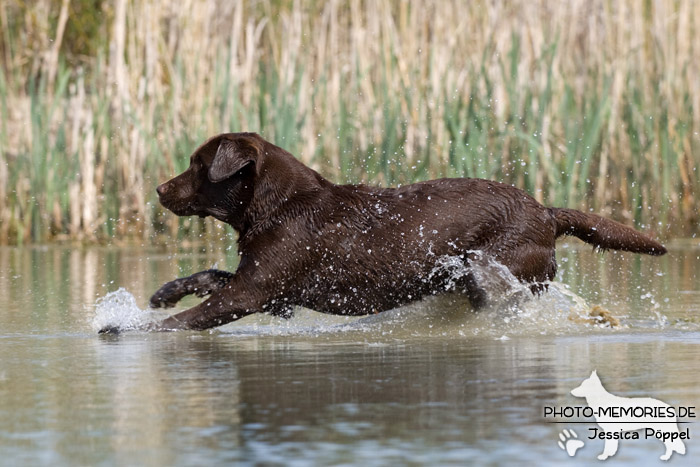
x=231 y=157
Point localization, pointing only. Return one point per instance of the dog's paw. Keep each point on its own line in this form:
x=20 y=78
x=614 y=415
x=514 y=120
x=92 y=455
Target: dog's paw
x=159 y=302
x=569 y=442
x=168 y=295
x=110 y=330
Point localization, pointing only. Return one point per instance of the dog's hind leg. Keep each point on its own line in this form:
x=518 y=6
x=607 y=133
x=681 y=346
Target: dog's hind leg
x=476 y=294
x=468 y=284
x=200 y=284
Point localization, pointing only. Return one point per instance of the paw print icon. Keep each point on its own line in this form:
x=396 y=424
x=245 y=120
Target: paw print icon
x=569 y=442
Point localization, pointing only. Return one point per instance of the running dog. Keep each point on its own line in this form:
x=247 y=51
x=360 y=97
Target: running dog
x=355 y=249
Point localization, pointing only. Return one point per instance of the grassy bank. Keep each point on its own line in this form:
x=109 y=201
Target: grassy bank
x=587 y=103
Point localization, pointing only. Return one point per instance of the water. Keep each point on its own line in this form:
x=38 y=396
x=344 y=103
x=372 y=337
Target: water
x=432 y=383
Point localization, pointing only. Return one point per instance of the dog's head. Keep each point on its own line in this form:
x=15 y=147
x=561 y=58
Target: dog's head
x=219 y=181
x=590 y=386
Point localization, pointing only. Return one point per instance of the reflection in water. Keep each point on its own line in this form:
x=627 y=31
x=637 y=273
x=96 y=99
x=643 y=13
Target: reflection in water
x=391 y=389
x=175 y=392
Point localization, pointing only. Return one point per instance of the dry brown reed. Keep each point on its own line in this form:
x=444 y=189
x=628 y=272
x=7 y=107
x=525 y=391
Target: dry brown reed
x=585 y=103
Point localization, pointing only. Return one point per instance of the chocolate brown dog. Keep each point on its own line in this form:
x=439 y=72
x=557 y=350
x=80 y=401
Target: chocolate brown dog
x=355 y=249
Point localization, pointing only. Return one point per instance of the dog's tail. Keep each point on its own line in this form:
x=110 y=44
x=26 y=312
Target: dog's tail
x=604 y=233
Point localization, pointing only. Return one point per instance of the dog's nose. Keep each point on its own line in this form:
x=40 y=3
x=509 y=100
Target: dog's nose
x=161 y=189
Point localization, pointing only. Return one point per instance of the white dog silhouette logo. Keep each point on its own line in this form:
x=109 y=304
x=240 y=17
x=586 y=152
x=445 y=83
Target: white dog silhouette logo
x=619 y=415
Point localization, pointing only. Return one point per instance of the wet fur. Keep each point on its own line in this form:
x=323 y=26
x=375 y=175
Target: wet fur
x=355 y=249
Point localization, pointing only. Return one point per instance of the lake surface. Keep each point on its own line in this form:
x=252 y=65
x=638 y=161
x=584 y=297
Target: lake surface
x=432 y=383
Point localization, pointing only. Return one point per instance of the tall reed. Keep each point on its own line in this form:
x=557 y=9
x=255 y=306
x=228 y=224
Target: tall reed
x=586 y=103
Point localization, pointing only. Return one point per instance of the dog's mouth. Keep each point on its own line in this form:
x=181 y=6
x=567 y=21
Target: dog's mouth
x=181 y=209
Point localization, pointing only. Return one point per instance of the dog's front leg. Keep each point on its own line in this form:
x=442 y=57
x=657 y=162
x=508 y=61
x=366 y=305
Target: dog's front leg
x=208 y=314
x=231 y=303
x=200 y=284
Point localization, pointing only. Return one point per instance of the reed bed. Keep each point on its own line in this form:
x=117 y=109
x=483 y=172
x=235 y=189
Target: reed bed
x=585 y=103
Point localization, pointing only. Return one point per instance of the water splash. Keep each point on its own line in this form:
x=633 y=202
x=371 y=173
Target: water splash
x=512 y=311
x=446 y=316
x=119 y=309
